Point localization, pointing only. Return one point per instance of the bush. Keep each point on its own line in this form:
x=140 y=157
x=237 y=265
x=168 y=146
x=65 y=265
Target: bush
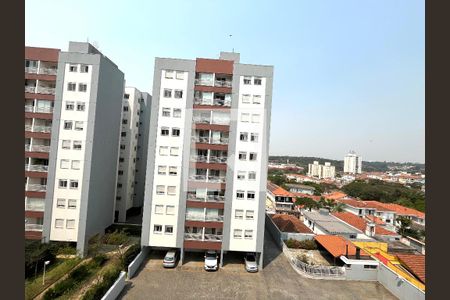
x=115 y=238
x=36 y=253
x=99 y=260
x=98 y=290
x=131 y=254
x=305 y=244
x=129 y=230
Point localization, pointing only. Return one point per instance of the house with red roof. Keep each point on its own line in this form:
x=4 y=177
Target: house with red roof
x=281 y=199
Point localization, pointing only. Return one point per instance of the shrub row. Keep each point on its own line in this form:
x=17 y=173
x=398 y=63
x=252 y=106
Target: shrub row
x=305 y=244
x=130 y=255
x=98 y=290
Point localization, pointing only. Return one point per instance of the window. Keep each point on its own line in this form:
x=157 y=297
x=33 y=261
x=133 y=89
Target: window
x=247 y=80
x=254 y=137
x=62 y=183
x=74 y=184
x=61 y=203
x=240 y=194
x=81 y=106
x=162 y=170
x=242 y=155
x=120 y=172
x=256 y=99
x=255 y=118
x=168 y=229
x=243 y=136
x=165 y=112
x=118 y=198
x=126 y=96
x=70 y=105
x=370 y=266
x=163 y=150
x=82 y=87
x=84 y=69
x=253 y=156
x=119 y=185
x=124 y=121
x=175 y=131
x=159 y=209
x=173 y=171
x=59 y=223
x=122 y=147
x=245 y=117
x=123 y=134
x=241 y=175
x=177 y=113
x=257 y=81
x=249 y=214
x=157 y=228
x=125 y=108
x=68 y=125
x=169 y=74
x=164 y=131
x=178 y=94
x=76 y=145
x=70 y=224
x=248 y=234
x=246 y=98
x=64 y=164
x=250 y=195
x=79 y=125
x=353 y=236
x=160 y=190
x=73 y=68
x=75 y=164
x=171 y=190
x=170 y=210
x=180 y=75
x=237 y=234
x=251 y=175
x=71 y=86
x=167 y=93
x=65 y=144
x=174 y=151
x=72 y=204
x=239 y=214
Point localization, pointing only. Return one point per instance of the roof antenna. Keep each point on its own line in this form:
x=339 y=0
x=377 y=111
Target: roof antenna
x=230 y=39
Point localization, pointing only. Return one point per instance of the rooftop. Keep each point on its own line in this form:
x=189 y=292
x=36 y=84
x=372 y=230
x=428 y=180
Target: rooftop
x=277 y=190
x=401 y=210
x=335 y=195
x=289 y=223
x=414 y=264
x=337 y=245
x=360 y=223
x=300 y=186
x=329 y=223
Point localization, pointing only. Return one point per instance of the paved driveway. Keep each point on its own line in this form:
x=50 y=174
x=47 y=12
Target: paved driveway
x=277 y=281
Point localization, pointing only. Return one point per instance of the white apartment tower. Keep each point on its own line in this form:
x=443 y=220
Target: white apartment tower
x=82 y=169
x=352 y=163
x=321 y=171
x=314 y=169
x=208 y=155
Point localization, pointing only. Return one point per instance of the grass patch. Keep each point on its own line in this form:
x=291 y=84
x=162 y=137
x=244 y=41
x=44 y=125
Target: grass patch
x=305 y=244
x=34 y=287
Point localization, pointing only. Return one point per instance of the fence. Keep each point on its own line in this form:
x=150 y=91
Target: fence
x=136 y=263
x=116 y=288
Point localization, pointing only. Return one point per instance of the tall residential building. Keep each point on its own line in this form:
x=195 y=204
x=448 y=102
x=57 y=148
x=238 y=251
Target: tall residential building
x=321 y=171
x=314 y=169
x=352 y=163
x=208 y=155
x=84 y=147
x=129 y=139
x=40 y=80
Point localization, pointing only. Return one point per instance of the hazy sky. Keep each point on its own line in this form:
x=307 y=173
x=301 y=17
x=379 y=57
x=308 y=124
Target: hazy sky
x=348 y=74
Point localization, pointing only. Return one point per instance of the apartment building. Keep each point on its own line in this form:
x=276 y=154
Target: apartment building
x=326 y=171
x=352 y=163
x=208 y=155
x=83 y=161
x=314 y=169
x=40 y=80
x=134 y=111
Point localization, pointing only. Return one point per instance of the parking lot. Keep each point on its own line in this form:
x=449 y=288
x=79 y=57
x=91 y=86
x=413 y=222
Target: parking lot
x=276 y=281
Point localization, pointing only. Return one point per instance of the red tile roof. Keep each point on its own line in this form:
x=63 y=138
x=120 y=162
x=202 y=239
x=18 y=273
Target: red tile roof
x=414 y=263
x=335 y=195
x=360 y=223
x=289 y=223
x=375 y=219
x=302 y=195
x=401 y=210
x=277 y=190
x=377 y=205
x=336 y=245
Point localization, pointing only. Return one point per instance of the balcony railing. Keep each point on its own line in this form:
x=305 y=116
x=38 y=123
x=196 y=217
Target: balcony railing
x=36 y=187
x=206 y=140
x=34 y=227
x=210 y=178
x=201 y=237
x=36 y=168
x=217 y=159
x=35 y=207
x=30 y=70
x=47 y=71
x=30 y=89
x=193 y=236
x=27 y=147
x=204 y=218
x=29 y=108
x=204 y=82
x=43 y=109
x=220 y=121
x=39 y=128
x=222 y=83
x=201 y=120
x=213 y=237
x=28 y=127
x=199 y=158
x=215 y=102
x=45 y=90
x=208 y=198
x=200 y=139
x=39 y=148
x=214 y=218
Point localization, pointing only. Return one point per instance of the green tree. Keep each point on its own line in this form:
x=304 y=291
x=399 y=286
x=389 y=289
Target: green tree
x=307 y=203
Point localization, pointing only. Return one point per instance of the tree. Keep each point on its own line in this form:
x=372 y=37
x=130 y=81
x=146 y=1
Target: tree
x=307 y=203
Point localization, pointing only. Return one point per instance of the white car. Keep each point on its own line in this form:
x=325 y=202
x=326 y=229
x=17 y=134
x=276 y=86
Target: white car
x=170 y=259
x=211 y=261
x=250 y=263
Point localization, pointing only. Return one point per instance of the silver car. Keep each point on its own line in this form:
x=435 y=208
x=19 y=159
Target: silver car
x=250 y=263
x=170 y=259
x=211 y=261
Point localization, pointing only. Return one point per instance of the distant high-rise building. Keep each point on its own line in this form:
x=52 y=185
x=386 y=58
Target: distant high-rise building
x=314 y=169
x=352 y=163
x=321 y=171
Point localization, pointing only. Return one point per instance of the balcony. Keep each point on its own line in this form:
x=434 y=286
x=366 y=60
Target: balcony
x=208 y=198
x=213 y=102
x=45 y=90
x=212 y=159
x=40 y=128
x=28 y=127
x=222 y=83
x=27 y=147
x=37 y=148
x=36 y=188
x=36 y=168
x=203 y=218
x=29 y=108
x=48 y=71
x=34 y=227
x=207 y=140
x=203 y=237
x=210 y=178
x=205 y=82
x=36 y=109
x=201 y=120
x=32 y=70
x=35 y=207
x=30 y=89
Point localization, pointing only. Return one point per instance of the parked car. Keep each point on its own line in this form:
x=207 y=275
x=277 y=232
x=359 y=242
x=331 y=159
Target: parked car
x=211 y=261
x=170 y=260
x=250 y=263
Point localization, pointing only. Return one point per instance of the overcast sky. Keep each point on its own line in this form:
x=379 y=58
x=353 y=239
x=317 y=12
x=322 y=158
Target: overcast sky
x=348 y=74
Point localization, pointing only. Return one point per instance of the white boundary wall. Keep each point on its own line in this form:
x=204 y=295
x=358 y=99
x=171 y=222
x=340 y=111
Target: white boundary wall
x=136 y=263
x=116 y=288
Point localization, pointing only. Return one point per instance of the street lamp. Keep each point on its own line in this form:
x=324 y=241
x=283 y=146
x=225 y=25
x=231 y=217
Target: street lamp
x=43 y=277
